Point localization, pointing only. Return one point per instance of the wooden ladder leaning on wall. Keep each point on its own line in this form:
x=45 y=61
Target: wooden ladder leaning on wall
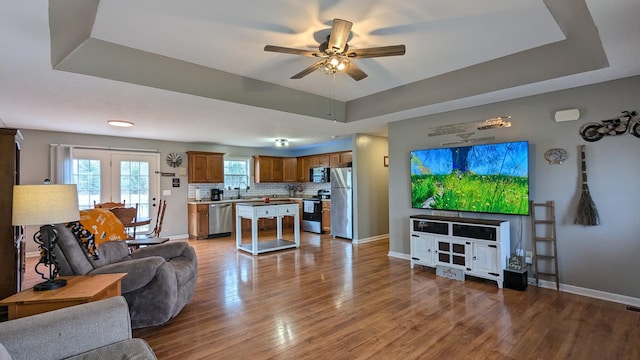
x=545 y=251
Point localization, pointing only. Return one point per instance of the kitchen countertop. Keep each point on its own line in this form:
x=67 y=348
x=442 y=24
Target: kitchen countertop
x=249 y=200
x=275 y=202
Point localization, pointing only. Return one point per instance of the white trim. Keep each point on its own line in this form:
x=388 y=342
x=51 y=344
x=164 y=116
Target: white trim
x=371 y=239
x=596 y=294
x=399 y=255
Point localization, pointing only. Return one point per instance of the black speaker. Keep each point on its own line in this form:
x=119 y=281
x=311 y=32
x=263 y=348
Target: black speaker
x=515 y=279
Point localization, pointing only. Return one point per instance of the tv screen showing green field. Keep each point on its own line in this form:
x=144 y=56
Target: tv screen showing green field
x=488 y=178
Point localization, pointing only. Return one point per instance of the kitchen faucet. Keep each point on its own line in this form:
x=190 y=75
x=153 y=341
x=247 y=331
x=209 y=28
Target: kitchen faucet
x=240 y=186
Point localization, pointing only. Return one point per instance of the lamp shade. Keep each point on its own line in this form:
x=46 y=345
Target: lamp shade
x=44 y=204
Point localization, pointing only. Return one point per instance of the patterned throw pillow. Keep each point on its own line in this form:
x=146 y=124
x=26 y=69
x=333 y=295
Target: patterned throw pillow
x=85 y=237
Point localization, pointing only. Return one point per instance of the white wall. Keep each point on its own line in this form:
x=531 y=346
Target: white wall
x=603 y=257
x=371 y=179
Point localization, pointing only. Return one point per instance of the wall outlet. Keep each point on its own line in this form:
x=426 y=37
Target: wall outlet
x=528 y=257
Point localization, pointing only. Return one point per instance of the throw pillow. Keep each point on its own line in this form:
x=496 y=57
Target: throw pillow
x=86 y=239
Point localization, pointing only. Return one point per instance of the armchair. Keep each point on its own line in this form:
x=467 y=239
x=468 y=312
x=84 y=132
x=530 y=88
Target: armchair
x=95 y=330
x=160 y=281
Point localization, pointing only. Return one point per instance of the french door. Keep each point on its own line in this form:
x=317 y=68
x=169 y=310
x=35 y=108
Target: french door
x=129 y=177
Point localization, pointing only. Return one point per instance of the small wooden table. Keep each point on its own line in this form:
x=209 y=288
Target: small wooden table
x=79 y=290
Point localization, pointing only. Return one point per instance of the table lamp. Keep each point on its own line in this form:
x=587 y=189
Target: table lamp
x=45 y=205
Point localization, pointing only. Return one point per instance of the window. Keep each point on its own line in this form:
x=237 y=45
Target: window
x=86 y=173
x=236 y=172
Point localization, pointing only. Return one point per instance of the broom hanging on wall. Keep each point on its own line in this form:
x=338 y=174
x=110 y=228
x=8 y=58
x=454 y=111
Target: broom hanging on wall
x=587 y=213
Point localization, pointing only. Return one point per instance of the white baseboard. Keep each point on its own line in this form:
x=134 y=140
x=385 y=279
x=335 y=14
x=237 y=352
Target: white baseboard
x=371 y=239
x=399 y=255
x=596 y=294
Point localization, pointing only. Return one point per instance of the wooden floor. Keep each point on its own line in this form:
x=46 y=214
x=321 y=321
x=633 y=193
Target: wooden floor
x=332 y=300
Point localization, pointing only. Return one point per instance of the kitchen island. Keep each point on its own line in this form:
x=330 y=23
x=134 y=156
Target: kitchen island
x=257 y=210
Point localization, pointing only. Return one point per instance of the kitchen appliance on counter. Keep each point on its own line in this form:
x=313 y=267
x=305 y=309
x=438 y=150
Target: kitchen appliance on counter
x=220 y=220
x=320 y=174
x=341 y=203
x=216 y=194
x=312 y=215
x=324 y=194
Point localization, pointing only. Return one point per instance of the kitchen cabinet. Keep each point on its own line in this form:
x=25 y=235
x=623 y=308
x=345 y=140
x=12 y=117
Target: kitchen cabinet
x=205 y=167
x=198 y=217
x=12 y=245
x=346 y=157
x=302 y=169
x=323 y=160
x=477 y=247
x=326 y=216
x=314 y=161
x=334 y=160
x=290 y=169
x=268 y=169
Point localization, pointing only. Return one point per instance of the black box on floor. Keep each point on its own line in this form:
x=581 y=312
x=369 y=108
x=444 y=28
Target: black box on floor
x=515 y=279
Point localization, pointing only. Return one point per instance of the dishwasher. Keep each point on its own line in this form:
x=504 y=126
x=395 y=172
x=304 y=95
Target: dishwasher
x=220 y=220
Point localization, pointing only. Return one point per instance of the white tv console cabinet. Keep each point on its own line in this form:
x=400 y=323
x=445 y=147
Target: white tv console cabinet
x=477 y=247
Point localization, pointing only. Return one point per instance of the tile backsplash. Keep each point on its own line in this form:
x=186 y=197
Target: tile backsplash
x=257 y=190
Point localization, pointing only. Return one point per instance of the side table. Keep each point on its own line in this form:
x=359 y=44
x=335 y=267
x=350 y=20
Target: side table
x=79 y=290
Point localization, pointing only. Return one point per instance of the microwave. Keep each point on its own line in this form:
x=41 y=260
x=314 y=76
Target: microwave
x=319 y=174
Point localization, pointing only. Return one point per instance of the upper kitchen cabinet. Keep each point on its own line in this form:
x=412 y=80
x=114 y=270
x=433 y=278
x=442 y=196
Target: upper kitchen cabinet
x=268 y=169
x=339 y=159
x=302 y=169
x=290 y=169
x=205 y=167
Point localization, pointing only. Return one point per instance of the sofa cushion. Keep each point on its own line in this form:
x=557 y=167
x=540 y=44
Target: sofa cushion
x=4 y=354
x=136 y=349
x=71 y=257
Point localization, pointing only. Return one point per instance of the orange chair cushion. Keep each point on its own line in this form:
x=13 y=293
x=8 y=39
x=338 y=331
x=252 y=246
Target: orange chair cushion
x=103 y=224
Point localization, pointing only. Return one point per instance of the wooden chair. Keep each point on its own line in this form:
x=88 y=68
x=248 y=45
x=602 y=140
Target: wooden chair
x=128 y=216
x=109 y=204
x=162 y=206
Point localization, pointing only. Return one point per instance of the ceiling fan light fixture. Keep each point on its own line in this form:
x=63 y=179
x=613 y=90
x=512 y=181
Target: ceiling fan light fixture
x=120 y=123
x=282 y=142
x=335 y=63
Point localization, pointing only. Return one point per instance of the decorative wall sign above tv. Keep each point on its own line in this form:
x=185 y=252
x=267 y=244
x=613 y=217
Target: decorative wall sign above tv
x=627 y=123
x=488 y=178
x=492 y=123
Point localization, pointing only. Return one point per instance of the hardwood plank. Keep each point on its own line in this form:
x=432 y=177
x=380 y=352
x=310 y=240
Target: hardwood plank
x=331 y=299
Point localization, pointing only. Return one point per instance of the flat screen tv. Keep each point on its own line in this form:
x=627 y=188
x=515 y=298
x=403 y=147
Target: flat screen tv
x=487 y=178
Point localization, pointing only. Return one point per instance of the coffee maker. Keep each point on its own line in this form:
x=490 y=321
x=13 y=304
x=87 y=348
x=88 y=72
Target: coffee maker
x=216 y=194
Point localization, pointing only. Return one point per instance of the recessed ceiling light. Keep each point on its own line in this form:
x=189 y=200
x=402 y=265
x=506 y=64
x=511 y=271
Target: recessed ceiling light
x=120 y=123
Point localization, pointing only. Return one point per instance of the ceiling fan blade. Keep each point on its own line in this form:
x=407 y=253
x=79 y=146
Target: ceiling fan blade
x=393 y=50
x=286 y=50
x=339 y=34
x=308 y=70
x=355 y=72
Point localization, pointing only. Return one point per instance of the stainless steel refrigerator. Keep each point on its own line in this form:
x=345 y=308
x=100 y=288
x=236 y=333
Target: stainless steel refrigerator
x=341 y=203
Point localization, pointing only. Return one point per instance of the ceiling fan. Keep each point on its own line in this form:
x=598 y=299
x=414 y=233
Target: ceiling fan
x=335 y=54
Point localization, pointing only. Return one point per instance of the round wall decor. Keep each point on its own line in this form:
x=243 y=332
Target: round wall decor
x=174 y=160
x=555 y=156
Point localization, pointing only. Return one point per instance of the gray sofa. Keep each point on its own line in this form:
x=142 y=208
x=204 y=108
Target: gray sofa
x=160 y=281
x=96 y=330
